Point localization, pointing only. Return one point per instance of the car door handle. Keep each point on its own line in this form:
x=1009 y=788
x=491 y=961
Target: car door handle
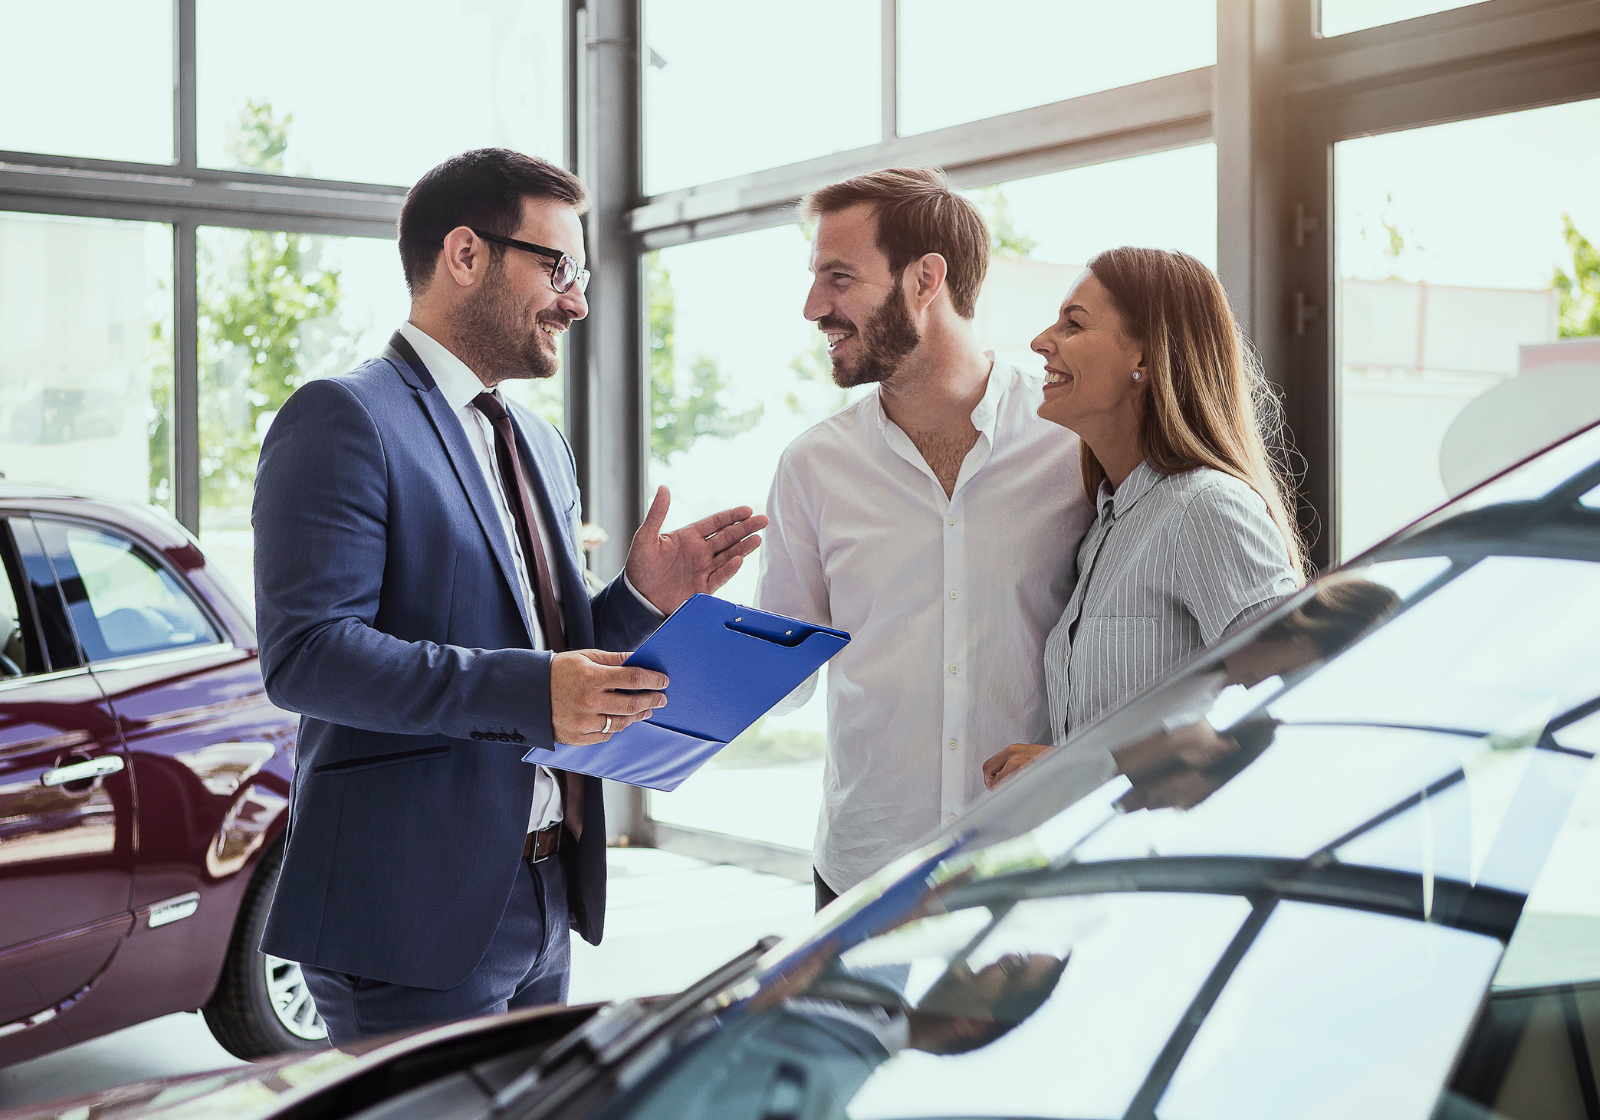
x=82 y=771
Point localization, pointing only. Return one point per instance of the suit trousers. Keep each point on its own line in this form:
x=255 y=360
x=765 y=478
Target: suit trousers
x=526 y=965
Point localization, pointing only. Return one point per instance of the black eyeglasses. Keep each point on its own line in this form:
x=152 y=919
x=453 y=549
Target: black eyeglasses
x=563 y=274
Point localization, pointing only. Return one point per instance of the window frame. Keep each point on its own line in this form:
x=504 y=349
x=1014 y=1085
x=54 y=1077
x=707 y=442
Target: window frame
x=27 y=619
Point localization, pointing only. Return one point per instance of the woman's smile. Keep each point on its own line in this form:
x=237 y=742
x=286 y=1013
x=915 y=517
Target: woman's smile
x=1056 y=381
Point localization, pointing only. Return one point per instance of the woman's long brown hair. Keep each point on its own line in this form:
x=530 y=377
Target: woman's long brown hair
x=1209 y=403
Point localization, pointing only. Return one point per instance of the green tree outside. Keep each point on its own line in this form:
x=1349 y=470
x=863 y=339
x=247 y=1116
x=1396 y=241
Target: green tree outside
x=680 y=415
x=266 y=313
x=1005 y=239
x=159 y=427
x=1578 y=290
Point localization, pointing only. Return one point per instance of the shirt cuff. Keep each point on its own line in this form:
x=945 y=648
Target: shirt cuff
x=646 y=603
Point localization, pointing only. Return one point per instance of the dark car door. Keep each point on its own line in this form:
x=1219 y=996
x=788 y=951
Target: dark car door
x=195 y=720
x=67 y=832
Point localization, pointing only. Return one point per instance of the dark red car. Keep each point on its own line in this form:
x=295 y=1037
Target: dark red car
x=144 y=785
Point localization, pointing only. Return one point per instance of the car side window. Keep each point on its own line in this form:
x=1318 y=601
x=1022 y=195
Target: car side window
x=20 y=652
x=121 y=602
x=44 y=634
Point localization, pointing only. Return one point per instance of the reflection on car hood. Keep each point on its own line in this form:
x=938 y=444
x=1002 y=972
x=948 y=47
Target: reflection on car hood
x=1428 y=711
x=223 y=1095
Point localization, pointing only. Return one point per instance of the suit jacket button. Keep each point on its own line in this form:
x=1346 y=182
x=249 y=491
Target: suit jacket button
x=477 y=735
x=517 y=737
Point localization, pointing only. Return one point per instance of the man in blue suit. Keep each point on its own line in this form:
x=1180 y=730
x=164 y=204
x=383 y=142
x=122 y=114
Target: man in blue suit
x=420 y=602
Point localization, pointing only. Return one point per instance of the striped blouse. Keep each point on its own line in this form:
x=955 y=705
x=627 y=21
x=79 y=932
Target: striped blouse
x=1170 y=564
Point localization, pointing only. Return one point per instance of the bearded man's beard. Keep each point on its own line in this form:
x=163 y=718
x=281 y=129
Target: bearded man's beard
x=886 y=336
x=491 y=339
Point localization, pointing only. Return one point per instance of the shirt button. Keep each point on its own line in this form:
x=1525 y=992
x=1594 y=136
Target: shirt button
x=955 y=668
x=952 y=744
x=955 y=594
x=949 y=521
x=949 y=816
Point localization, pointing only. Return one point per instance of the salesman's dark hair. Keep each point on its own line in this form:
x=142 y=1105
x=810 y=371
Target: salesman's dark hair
x=482 y=189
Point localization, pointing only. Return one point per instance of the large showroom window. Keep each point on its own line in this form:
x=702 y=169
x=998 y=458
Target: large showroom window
x=1340 y=17
x=276 y=310
x=386 y=113
x=86 y=354
x=109 y=95
x=172 y=271
x=1046 y=228
x=1458 y=346
x=787 y=83
x=1015 y=54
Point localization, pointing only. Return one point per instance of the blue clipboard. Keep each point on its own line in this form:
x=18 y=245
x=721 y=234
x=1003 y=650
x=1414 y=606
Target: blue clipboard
x=728 y=666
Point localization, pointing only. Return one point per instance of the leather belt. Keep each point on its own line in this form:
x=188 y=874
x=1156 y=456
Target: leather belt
x=541 y=845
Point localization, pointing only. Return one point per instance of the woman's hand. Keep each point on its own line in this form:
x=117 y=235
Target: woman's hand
x=1006 y=764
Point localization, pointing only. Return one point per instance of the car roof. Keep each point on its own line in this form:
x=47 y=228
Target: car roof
x=153 y=523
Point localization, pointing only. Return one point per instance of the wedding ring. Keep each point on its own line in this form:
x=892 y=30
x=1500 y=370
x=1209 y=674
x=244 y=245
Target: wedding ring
x=606 y=730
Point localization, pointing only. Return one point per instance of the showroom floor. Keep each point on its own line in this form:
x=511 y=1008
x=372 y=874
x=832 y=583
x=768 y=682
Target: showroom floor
x=671 y=919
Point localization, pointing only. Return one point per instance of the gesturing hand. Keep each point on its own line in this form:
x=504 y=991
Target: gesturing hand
x=667 y=568
x=585 y=693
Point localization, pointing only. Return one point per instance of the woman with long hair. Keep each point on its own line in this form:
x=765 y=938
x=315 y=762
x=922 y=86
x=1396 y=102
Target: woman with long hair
x=1195 y=531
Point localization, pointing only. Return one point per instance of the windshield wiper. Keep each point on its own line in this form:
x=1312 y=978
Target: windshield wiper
x=573 y=1065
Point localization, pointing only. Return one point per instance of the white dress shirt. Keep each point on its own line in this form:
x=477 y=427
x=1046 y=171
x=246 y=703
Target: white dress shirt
x=948 y=602
x=460 y=385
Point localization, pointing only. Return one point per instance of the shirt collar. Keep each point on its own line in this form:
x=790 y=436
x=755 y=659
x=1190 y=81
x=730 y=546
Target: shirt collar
x=988 y=407
x=1134 y=487
x=455 y=380
x=1000 y=382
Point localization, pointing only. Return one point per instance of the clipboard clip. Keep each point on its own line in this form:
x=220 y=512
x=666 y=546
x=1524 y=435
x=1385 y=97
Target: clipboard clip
x=768 y=628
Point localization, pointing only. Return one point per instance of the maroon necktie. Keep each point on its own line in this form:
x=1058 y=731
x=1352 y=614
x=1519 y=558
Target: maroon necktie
x=523 y=502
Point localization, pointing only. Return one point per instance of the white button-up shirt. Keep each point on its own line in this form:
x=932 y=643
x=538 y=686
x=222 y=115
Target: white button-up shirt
x=948 y=602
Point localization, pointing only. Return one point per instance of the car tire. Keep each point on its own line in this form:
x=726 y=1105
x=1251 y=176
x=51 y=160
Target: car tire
x=261 y=1007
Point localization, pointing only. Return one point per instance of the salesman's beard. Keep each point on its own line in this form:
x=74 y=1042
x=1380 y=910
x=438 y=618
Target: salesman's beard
x=494 y=338
x=885 y=337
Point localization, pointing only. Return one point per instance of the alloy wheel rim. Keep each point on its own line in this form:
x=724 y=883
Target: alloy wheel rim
x=291 y=999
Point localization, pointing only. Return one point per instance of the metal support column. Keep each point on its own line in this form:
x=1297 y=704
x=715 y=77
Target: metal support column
x=607 y=408
x=1248 y=127
x=889 y=52
x=1256 y=229
x=186 y=378
x=185 y=323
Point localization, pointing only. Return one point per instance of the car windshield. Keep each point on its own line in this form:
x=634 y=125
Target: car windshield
x=1340 y=844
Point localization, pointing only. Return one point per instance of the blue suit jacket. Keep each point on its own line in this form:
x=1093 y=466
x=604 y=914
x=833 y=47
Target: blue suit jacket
x=388 y=616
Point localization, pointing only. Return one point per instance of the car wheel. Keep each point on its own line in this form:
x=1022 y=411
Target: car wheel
x=262 y=1006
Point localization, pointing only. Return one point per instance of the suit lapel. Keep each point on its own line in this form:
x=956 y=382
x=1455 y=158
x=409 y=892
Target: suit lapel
x=465 y=464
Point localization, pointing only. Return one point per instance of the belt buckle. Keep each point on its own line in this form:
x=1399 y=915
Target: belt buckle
x=556 y=847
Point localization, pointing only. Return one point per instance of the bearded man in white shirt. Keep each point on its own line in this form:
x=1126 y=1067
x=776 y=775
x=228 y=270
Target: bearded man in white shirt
x=935 y=519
